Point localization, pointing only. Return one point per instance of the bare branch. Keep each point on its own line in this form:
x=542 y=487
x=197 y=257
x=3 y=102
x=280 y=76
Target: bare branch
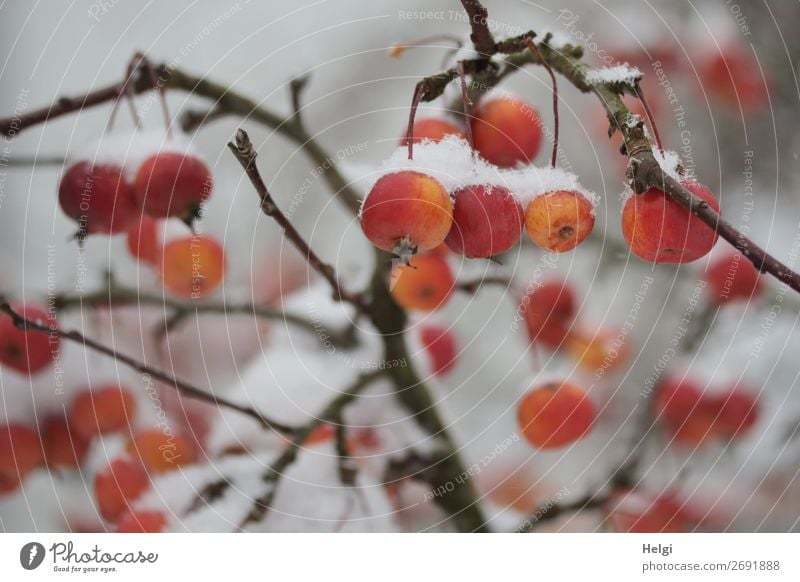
x=481 y=36
x=276 y=471
x=246 y=155
x=183 y=387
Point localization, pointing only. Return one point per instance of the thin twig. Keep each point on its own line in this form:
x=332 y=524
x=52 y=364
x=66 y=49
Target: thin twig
x=183 y=387
x=277 y=469
x=535 y=50
x=117 y=295
x=466 y=103
x=246 y=155
x=481 y=36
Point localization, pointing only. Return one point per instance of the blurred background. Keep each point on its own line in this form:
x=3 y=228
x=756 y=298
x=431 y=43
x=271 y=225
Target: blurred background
x=721 y=77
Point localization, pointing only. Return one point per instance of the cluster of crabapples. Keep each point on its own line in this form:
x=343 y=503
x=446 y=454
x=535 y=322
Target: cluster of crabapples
x=62 y=444
x=407 y=211
x=107 y=194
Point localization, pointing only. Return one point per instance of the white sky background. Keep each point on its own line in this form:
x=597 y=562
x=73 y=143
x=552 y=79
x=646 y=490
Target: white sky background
x=357 y=95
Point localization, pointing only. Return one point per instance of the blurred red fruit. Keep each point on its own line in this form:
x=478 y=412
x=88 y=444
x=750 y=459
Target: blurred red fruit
x=432 y=129
x=549 y=311
x=64 y=448
x=440 y=344
x=555 y=415
x=118 y=485
x=106 y=409
x=425 y=284
x=733 y=277
x=161 y=452
x=507 y=132
x=143 y=240
x=31 y=351
x=172 y=184
x=141 y=522
x=20 y=453
x=98 y=198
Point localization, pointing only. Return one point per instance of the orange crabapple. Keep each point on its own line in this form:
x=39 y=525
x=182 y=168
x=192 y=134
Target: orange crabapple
x=193 y=266
x=20 y=453
x=63 y=447
x=440 y=344
x=143 y=240
x=487 y=221
x=733 y=277
x=161 y=452
x=98 y=198
x=118 y=485
x=141 y=522
x=172 y=184
x=559 y=221
x=109 y=408
x=433 y=129
x=660 y=230
x=406 y=211
x=506 y=131
x=555 y=414
x=549 y=311
x=29 y=351
x=602 y=350
x=425 y=284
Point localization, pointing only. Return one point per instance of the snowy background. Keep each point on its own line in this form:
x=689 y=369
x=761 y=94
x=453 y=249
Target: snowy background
x=356 y=106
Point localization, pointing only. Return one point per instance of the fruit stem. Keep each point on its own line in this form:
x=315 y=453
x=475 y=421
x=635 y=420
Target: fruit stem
x=535 y=50
x=467 y=105
x=650 y=117
x=411 y=115
x=126 y=91
x=159 y=88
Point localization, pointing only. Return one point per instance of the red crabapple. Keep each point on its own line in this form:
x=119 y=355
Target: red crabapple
x=406 y=211
x=555 y=415
x=141 y=522
x=161 y=452
x=735 y=80
x=172 y=184
x=192 y=267
x=322 y=434
x=63 y=447
x=660 y=230
x=440 y=344
x=737 y=412
x=424 y=284
x=98 y=198
x=506 y=131
x=688 y=415
x=143 y=240
x=549 y=311
x=733 y=277
x=107 y=409
x=432 y=129
x=559 y=221
x=27 y=352
x=664 y=514
x=20 y=453
x=487 y=221
x=118 y=485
